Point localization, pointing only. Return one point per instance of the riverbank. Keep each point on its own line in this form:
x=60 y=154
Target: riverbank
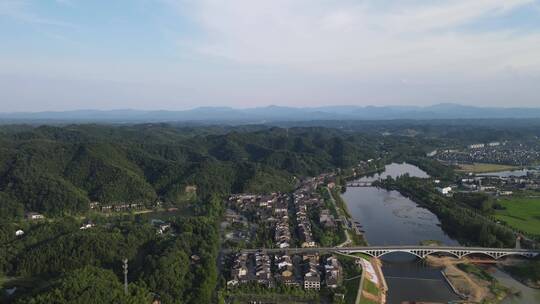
x=352 y=233
x=373 y=285
x=528 y=273
x=469 y=281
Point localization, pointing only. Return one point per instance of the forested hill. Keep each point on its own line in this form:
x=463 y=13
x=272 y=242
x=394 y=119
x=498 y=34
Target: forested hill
x=59 y=170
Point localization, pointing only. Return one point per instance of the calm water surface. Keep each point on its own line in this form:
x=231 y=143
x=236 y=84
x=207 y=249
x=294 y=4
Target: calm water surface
x=392 y=219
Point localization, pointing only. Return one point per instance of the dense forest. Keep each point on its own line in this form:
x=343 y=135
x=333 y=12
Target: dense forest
x=66 y=265
x=60 y=170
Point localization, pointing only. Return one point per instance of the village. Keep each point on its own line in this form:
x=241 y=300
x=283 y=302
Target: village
x=506 y=153
x=291 y=220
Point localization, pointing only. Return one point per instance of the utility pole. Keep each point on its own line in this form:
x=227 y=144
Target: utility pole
x=125 y=266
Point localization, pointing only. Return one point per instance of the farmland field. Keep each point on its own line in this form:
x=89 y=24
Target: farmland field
x=521 y=213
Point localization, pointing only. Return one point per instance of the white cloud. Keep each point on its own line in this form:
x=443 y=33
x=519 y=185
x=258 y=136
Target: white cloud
x=449 y=14
x=363 y=38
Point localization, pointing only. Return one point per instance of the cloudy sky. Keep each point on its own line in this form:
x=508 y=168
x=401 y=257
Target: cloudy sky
x=179 y=54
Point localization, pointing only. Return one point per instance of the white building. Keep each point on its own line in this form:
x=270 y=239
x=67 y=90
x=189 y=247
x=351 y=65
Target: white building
x=432 y=153
x=19 y=232
x=445 y=190
x=476 y=146
x=312 y=280
x=34 y=216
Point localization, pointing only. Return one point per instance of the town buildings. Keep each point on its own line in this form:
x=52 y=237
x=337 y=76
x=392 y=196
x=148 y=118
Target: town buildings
x=333 y=272
x=291 y=219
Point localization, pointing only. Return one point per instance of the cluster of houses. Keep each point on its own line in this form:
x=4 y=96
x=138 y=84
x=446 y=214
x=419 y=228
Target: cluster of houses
x=333 y=272
x=275 y=210
x=282 y=232
x=251 y=268
x=256 y=206
x=312 y=277
x=501 y=184
x=263 y=274
x=240 y=273
x=286 y=273
x=304 y=271
x=305 y=197
x=271 y=209
x=365 y=166
x=120 y=207
x=497 y=184
x=517 y=154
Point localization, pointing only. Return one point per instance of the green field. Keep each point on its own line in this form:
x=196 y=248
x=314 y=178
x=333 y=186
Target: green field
x=371 y=287
x=367 y=301
x=521 y=213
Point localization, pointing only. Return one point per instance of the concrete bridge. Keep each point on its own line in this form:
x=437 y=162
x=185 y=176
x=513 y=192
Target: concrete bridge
x=419 y=251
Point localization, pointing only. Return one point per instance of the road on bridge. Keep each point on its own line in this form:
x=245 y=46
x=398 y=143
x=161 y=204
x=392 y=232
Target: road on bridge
x=420 y=251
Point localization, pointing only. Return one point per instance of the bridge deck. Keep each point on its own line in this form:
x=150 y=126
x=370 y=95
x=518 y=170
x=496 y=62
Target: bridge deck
x=420 y=251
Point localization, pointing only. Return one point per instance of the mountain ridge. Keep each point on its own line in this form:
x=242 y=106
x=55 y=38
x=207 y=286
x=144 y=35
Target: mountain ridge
x=273 y=113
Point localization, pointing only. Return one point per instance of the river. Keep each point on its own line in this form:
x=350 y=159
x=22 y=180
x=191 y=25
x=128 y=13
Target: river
x=388 y=218
x=392 y=219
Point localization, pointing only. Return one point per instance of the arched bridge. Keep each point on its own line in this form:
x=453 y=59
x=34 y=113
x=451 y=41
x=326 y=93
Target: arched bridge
x=419 y=251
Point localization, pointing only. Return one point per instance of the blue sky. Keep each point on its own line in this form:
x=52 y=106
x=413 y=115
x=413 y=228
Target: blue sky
x=179 y=54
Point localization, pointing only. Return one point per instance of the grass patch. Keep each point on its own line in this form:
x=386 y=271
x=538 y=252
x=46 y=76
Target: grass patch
x=367 y=301
x=484 y=168
x=371 y=288
x=430 y=243
x=362 y=255
x=340 y=202
x=275 y=297
x=350 y=270
x=521 y=213
x=480 y=273
x=351 y=287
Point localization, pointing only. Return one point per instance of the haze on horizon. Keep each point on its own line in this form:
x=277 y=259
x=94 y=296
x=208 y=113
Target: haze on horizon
x=174 y=55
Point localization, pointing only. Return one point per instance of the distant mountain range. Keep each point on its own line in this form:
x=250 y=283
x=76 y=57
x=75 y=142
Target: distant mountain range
x=275 y=114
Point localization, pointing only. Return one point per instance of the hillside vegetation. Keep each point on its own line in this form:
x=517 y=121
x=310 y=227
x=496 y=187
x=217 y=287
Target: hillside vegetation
x=59 y=170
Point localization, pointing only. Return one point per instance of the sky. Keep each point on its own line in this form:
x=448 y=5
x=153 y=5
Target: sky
x=180 y=54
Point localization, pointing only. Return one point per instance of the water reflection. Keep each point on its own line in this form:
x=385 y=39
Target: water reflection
x=410 y=278
x=392 y=219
